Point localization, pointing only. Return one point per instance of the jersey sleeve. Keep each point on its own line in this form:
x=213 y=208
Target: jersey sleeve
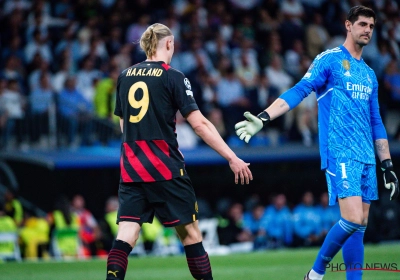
x=118 y=108
x=378 y=129
x=316 y=77
x=182 y=93
x=318 y=72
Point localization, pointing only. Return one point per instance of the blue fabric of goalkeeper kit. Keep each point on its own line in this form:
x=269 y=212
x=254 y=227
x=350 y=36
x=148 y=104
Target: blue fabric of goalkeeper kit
x=348 y=109
x=333 y=242
x=353 y=254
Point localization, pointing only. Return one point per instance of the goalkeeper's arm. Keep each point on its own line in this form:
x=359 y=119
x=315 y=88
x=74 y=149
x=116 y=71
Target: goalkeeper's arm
x=287 y=101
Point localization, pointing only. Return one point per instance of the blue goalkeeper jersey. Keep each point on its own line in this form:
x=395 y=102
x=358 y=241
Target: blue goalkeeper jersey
x=348 y=109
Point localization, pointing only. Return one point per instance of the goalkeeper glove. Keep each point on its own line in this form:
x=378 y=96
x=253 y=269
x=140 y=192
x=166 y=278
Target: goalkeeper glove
x=246 y=129
x=390 y=179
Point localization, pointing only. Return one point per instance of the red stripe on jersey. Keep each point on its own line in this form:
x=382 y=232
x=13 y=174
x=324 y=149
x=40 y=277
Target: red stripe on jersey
x=124 y=175
x=158 y=164
x=163 y=146
x=173 y=222
x=129 y=217
x=137 y=165
x=166 y=66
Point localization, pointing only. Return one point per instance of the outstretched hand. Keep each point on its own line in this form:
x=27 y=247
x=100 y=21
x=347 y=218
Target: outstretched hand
x=247 y=129
x=241 y=169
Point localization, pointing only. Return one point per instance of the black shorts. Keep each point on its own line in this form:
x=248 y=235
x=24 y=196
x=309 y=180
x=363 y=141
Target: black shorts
x=173 y=202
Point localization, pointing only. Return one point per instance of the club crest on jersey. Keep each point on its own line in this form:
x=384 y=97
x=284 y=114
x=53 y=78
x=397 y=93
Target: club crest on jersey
x=187 y=83
x=369 y=79
x=346 y=65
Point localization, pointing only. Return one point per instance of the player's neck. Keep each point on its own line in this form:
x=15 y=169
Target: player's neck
x=158 y=57
x=354 y=49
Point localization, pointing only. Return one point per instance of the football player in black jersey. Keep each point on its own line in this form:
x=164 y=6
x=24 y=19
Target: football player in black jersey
x=153 y=176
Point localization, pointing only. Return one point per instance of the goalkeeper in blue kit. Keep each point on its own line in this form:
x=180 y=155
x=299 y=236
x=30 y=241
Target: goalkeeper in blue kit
x=349 y=127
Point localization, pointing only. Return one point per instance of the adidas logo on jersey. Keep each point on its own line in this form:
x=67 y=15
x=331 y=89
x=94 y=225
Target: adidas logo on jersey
x=347 y=74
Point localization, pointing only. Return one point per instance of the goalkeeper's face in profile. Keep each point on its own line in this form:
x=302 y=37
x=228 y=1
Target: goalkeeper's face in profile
x=361 y=30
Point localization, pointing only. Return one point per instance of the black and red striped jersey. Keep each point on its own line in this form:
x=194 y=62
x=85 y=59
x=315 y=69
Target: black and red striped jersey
x=148 y=96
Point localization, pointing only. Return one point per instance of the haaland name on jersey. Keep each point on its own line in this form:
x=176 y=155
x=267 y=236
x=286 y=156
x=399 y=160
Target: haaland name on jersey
x=360 y=91
x=144 y=72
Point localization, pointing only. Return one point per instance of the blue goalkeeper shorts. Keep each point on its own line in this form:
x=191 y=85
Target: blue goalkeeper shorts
x=347 y=177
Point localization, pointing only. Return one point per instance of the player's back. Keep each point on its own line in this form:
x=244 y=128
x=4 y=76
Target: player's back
x=148 y=98
x=146 y=104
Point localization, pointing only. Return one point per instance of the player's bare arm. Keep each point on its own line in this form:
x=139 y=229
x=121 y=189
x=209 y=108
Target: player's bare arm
x=206 y=131
x=382 y=149
x=247 y=129
x=277 y=108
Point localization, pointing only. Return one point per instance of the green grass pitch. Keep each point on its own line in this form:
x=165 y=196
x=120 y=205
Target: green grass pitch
x=285 y=264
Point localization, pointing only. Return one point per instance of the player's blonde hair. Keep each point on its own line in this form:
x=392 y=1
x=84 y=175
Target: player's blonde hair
x=150 y=38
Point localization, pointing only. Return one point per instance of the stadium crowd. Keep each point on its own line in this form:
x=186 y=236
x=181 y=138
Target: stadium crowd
x=71 y=230
x=60 y=61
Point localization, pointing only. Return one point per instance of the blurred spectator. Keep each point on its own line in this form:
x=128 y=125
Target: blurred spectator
x=34 y=76
x=114 y=42
x=187 y=138
x=306 y=117
x=65 y=70
x=7 y=225
x=136 y=29
x=35 y=237
x=153 y=232
x=247 y=75
x=307 y=222
x=13 y=71
x=38 y=45
x=230 y=228
x=278 y=223
x=266 y=93
x=14 y=48
x=69 y=42
x=215 y=117
x=109 y=226
x=104 y=95
x=293 y=59
x=89 y=231
x=75 y=111
x=196 y=58
x=86 y=78
x=11 y=5
x=389 y=219
x=392 y=84
x=217 y=49
x=13 y=207
x=330 y=215
x=124 y=59
x=41 y=100
x=281 y=80
x=14 y=104
x=246 y=53
x=231 y=98
x=293 y=10
x=63 y=219
x=277 y=76
x=316 y=36
x=334 y=16
x=254 y=222
x=311 y=7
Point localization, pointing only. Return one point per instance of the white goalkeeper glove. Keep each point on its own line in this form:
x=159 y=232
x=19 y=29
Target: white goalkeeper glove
x=390 y=178
x=247 y=129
